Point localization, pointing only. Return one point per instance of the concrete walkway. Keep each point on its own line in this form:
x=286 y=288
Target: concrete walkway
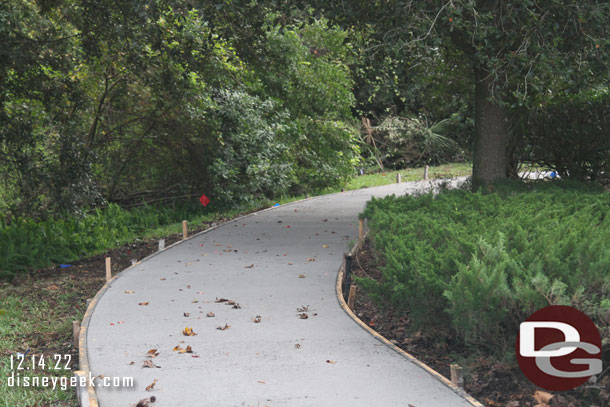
x=324 y=360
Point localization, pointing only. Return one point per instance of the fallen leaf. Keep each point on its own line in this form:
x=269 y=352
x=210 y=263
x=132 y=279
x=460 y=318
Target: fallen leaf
x=152 y=353
x=52 y=287
x=303 y=316
x=143 y=303
x=162 y=279
x=179 y=349
x=131 y=363
x=150 y=364
x=332 y=362
x=250 y=266
x=542 y=397
x=210 y=315
x=325 y=246
x=224 y=328
x=257 y=319
x=146 y=402
x=297 y=346
x=188 y=332
x=152 y=385
x=311 y=259
x=301 y=275
x=129 y=291
x=221 y=299
x=186 y=314
x=303 y=308
x=236 y=306
x=261 y=381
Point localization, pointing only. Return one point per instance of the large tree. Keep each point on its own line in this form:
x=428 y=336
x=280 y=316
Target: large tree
x=515 y=52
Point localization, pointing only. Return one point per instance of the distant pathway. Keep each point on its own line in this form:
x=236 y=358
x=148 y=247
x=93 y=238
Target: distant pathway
x=324 y=360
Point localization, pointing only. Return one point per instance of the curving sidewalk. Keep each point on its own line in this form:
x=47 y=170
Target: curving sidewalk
x=271 y=263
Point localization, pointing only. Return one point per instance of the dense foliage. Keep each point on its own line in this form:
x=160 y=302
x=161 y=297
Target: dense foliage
x=27 y=245
x=482 y=263
x=105 y=101
x=570 y=134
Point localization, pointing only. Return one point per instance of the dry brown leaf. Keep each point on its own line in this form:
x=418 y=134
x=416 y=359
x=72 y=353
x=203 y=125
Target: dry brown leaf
x=257 y=319
x=152 y=353
x=150 y=364
x=224 y=328
x=177 y=348
x=250 y=266
x=301 y=275
x=311 y=259
x=52 y=287
x=187 y=314
x=210 y=315
x=129 y=291
x=332 y=362
x=131 y=363
x=146 y=402
x=542 y=397
x=303 y=316
x=261 y=381
x=143 y=303
x=297 y=346
x=152 y=385
x=303 y=308
x=221 y=300
x=236 y=306
x=188 y=332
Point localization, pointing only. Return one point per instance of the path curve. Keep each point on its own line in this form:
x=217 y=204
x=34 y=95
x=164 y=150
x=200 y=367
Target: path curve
x=324 y=360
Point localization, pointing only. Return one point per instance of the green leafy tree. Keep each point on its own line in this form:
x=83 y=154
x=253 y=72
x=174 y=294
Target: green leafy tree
x=514 y=53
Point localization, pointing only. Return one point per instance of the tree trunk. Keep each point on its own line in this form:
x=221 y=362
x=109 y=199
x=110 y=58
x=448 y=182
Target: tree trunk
x=490 y=161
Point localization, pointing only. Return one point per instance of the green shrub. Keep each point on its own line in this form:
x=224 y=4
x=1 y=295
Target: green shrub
x=483 y=263
x=26 y=244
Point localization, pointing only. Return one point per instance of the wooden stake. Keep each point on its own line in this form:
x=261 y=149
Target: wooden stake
x=185 y=231
x=398 y=178
x=457 y=378
x=426 y=172
x=352 y=296
x=108 y=269
x=76 y=332
x=360 y=229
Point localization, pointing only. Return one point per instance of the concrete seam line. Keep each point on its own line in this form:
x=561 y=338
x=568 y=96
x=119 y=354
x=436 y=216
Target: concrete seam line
x=83 y=359
x=385 y=341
